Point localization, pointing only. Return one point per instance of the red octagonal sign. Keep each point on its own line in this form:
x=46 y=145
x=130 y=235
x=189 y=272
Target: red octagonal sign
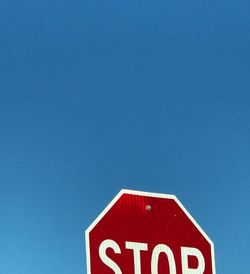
x=147 y=233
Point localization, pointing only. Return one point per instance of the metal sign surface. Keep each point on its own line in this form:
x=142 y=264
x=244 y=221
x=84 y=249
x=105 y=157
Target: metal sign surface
x=147 y=233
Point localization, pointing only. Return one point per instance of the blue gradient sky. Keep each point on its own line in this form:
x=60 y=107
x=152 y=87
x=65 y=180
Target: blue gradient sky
x=96 y=96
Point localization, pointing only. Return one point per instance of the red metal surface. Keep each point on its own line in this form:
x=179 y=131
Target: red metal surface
x=129 y=219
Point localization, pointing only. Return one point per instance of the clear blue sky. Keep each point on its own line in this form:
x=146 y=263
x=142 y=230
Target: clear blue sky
x=96 y=96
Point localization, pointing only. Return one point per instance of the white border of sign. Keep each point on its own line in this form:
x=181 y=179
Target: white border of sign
x=148 y=194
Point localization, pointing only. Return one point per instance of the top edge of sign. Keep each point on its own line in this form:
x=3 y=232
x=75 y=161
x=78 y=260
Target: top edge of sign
x=148 y=194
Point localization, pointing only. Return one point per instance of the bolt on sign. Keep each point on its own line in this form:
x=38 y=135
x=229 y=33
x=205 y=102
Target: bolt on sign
x=147 y=233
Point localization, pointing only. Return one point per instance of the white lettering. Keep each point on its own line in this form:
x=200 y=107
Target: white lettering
x=190 y=251
x=137 y=248
x=155 y=257
x=102 y=253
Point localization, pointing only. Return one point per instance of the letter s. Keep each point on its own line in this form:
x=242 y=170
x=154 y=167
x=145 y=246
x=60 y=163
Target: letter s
x=106 y=260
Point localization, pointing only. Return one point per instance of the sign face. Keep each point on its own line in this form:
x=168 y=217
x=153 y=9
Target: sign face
x=147 y=233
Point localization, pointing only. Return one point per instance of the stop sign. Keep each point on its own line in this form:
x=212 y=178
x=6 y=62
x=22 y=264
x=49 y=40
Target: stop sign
x=147 y=233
